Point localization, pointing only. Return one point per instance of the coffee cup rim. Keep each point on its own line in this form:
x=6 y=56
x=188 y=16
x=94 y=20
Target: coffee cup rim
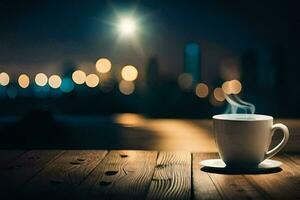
x=241 y=117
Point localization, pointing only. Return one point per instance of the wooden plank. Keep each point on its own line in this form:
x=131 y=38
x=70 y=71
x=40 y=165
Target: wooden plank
x=121 y=175
x=235 y=186
x=232 y=186
x=280 y=185
x=294 y=157
x=16 y=173
x=172 y=176
x=62 y=175
x=203 y=186
x=7 y=156
x=291 y=164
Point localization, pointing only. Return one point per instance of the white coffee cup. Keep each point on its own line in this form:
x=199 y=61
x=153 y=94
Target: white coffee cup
x=244 y=139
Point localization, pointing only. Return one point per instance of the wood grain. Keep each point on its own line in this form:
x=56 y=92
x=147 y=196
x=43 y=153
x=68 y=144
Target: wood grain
x=16 y=173
x=121 y=175
x=235 y=187
x=281 y=185
x=172 y=176
x=84 y=174
x=232 y=186
x=62 y=175
x=203 y=186
x=294 y=157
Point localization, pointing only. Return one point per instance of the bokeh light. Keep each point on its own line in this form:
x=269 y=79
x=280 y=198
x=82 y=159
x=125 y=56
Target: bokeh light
x=126 y=87
x=55 y=81
x=103 y=65
x=41 y=79
x=79 y=77
x=226 y=87
x=92 y=80
x=23 y=81
x=201 y=90
x=236 y=86
x=219 y=94
x=4 y=79
x=129 y=73
x=67 y=85
x=185 y=81
x=232 y=87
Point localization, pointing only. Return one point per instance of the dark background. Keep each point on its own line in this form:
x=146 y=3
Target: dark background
x=255 y=42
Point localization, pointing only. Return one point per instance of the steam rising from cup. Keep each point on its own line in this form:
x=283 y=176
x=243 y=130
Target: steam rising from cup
x=235 y=104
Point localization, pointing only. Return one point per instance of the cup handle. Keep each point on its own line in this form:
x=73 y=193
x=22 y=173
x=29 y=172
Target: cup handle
x=283 y=142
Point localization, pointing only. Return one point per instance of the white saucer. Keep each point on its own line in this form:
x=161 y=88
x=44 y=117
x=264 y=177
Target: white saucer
x=219 y=164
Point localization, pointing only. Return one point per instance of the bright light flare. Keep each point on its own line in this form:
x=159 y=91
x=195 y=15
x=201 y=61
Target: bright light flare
x=127 y=26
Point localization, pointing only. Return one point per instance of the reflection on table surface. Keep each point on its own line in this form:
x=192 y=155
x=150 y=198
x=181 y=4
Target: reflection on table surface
x=122 y=131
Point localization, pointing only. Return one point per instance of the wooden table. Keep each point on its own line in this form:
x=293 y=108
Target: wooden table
x=100 y=174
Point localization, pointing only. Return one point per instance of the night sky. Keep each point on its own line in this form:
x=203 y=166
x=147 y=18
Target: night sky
x=42 y=35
